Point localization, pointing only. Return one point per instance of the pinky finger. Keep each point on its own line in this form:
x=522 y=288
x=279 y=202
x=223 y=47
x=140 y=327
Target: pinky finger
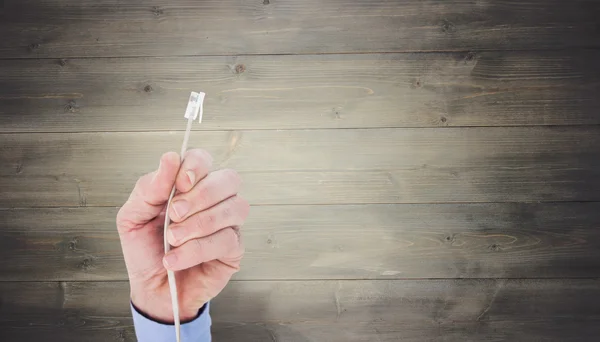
x=224 y=244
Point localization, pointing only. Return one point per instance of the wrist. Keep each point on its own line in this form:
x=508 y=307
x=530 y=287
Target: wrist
x=158 y=307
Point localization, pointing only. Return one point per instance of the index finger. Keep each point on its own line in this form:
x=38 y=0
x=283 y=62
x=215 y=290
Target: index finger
x=149 y=195
x=196 y=165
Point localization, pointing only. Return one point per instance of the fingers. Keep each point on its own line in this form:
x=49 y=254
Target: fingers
x=150 y=194
x=214 y=188
x=196 y=165
x=224 y=244
x=231 y=212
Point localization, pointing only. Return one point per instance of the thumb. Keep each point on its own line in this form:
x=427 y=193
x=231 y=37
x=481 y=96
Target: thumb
x=150 y=194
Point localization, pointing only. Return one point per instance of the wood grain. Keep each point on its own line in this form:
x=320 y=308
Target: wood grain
x=377 y=144
x=333 y=242
x=435 y=310
x=71 y=28
x=317 y=166
x=297 y=92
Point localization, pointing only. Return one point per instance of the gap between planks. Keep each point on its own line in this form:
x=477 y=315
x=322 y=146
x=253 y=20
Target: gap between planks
x=317 y=204
x=341 y=53
x=61 y=281
x=307 y=129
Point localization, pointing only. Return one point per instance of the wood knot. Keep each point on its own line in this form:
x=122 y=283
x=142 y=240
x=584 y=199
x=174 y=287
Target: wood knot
x=416 y=83
x=269 y=241
x=73 y=244
x=19 y=168
x=34 y=46
x=336 y=113
x=71 y=319
x=148 y=88
x=62 y=62
x=86 y=264
x=494 y=247
x=470 y=56
x=122 y=336
x=443 y=119
x=240 y=68
x=71 y=107
x=449 y=239
x=266 y=2
x=447 y=27
x=157 y=11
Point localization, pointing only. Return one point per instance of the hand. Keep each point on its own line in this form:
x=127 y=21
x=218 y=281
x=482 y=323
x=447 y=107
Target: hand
x=206 y=215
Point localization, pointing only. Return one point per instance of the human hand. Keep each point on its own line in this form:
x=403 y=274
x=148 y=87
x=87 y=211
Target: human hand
x=206 y=215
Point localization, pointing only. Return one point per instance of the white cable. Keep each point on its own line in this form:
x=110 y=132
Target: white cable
x=195 y=105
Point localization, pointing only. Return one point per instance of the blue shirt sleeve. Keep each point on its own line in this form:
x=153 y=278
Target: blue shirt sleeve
x=148 y=330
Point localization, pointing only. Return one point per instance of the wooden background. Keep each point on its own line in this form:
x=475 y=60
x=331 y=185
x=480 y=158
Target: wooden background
x=419 y=170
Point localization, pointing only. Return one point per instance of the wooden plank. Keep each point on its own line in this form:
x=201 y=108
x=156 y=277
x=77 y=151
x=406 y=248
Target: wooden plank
x=292 y=92
x=416 y=310
x=317 y=166
x=333 y=242
x=71 y=28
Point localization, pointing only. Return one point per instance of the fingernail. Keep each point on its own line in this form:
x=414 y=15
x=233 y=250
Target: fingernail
x=181 y=208
x=192 y=176
x=170 y=260
x=174 y=234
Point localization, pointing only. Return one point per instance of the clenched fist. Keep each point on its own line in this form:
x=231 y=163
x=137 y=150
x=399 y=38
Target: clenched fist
x=206 y=215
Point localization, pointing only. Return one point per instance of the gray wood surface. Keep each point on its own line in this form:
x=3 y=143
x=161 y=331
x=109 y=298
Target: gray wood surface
x=333 y=242
x=419 y=170
x=292 y=92
x=317 y=166
x=70 y=28
x=356 y=310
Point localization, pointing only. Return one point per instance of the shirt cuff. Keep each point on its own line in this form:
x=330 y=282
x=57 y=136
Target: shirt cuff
x=148 y=330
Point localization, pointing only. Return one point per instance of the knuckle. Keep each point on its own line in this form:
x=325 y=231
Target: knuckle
x=207 y=157
x=232 y=176
x=232 y=239
x=202 y=196
x=141 y=184
x=241 y=249
x=228 y=211
x=123 y=221
x=165 y=156
x=138 y=183
x=198 y=154
x=199 y=157
x=211 y=219
x=242 y=207
x=234 y=265
x=202 y=221
x=120 y=220
x=198 y=248
x=208 y=221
